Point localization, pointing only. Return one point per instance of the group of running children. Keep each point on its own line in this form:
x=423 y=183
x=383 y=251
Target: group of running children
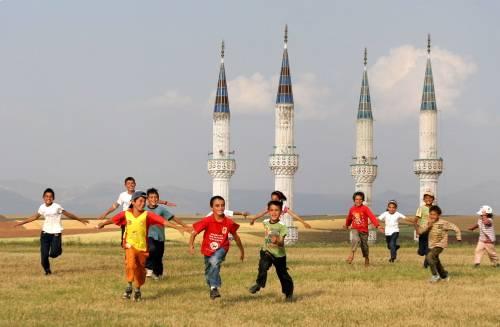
x=143 y=235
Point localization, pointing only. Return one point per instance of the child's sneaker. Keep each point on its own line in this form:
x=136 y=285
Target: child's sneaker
x=137 y=295
x=289 y=298
x=435 y=279
x=156 y=277
x=48 y=272
x=128 y=293
x=149 y=273
x=254 y=289
x=446 y=279
x=350 y=259
x=367 y=262
x=214 y=293
x=476 y=265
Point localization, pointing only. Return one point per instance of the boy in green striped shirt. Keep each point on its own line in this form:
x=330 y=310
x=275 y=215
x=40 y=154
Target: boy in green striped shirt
x=273 y=252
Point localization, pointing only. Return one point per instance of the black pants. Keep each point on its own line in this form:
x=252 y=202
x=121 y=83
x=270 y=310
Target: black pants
x=155 y=259
x=392 y=244
x=423 y=247
x=265 y=262
x=435 y=263
x=123 y=233
x=50 y=246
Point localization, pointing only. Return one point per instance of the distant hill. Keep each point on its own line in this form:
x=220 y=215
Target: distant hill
x=24 y=197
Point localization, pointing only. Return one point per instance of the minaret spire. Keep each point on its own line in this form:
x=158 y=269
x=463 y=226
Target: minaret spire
x=365 y=104
x=221 y=165
x=429 y=166
x=284 y=162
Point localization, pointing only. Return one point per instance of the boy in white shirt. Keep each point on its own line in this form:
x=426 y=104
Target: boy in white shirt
x=50 y=238
x=391 y=220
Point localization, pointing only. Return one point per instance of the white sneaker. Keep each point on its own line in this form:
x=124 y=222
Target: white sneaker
x=447 y=279
x=149 y=273
x=435 y=279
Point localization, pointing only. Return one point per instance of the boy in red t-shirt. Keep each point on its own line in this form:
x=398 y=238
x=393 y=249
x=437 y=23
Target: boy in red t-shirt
x=215 y=245
x=357 y=219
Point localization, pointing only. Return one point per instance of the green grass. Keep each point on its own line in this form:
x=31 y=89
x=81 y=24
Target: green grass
x=88 y=281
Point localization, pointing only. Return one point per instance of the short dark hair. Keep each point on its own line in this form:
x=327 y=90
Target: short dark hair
x=280 y=195
x=216 y=197
x=358 y=193
x=436 y=209
x=49 y=190
x=275 y=203
x=129 y=179
x=152 y=191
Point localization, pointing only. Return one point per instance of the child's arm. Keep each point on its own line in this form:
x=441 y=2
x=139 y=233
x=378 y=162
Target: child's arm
x=348 y=220
x=473 y=227
x=104 y=223
x=110 y=210
x=167 y=203
x=258 y=216
x=191 y=242
x=28 y=220
x=237 y=239
x=297 y=217
x=118 y=219
x=72 y=216
x=455 y=229
x=180 y=222
x=374 y=220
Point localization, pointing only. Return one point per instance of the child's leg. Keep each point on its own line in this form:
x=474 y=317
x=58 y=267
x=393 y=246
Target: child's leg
x=212 y=268
x=283 y=275
x=45 y=241
x=354 y=244
x=363 y=239
x=478 y=253
x=265 y=262
x=152 y=253
x=160 y=246
x=388 y=241
x=129 y=265
x=56 y=246
x=435 y=263
x=394 y=245
x=140 y=268
x=440 y=269
x=423 y=247
x=490 y=249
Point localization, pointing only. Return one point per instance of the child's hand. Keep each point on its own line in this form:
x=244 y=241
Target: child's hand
x=345 y=227
x=100 y=226
x=171 y=204
x=381 y=229
x=191 y=250
x=242 y=256
x=84 y=221
x=275 y=239
x=252 y=222
x=306 y=225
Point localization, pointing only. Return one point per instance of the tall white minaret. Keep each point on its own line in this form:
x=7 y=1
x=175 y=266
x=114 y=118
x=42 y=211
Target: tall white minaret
x=363 y=168
x=428 y=166
x=221 y=166
x=284 y=162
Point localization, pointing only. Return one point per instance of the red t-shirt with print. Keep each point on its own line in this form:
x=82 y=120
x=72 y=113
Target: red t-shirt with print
x=216 y=233
x=358 y=217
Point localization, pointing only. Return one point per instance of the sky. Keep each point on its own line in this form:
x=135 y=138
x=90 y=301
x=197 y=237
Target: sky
x=94 y=91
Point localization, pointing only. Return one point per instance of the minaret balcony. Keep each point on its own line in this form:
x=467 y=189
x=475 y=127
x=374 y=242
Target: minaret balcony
x=284 y=164
x=428 y=166
x=365 y=171
x=221 y=167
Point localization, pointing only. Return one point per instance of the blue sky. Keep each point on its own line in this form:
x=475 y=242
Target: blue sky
x=94 y=91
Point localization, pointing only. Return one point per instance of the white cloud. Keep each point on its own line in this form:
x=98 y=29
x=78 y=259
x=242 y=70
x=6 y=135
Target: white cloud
x=170 y=99
x=396 y=81
x=256 y=95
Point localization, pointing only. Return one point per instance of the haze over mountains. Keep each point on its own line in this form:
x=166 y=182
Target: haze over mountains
x=24 y=197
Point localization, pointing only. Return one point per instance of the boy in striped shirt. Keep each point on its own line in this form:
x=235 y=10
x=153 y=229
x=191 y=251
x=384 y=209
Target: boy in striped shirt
x=487 y=236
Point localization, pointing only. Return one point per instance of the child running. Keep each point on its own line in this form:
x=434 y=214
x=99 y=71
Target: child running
x=422 y=217
x=50 y=238
x=357 y=219
x=273 y=252
x=215 y=245
x=156 y=235
x=438 y=240
x=487 y=237
x=391 y=226
x=279 y=196
x=137 y=222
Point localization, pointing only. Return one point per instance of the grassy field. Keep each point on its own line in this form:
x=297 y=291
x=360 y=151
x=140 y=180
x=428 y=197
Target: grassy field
x=88 y=281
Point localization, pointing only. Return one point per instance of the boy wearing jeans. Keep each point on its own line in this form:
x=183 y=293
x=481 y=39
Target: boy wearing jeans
x=438 y=240
x=215 y=245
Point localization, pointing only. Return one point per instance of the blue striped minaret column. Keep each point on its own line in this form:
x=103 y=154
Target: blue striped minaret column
x=221 y=165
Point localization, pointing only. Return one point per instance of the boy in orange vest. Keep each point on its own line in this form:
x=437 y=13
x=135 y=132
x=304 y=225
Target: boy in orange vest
x=135 y=240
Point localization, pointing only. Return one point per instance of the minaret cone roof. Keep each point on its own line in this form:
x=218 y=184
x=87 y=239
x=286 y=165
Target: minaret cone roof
x=365 y=104
x=221 y=97
x=285 y=94
x=428 y=94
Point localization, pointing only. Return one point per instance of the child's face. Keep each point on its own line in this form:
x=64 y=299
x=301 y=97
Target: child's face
x=433 y=216
x=48 y=198
x=391 y=208
x=153 y=199
x=358 y=200
x=428 y=200
x=130 y=186
x=274 y=197
x=275 y=212
x=139 y=203
x=218 y=207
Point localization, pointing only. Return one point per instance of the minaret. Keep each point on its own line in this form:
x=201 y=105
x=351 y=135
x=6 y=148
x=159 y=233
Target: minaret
x=428 y=166
x=363 y=168
x=221 y=166
x=284 y=162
